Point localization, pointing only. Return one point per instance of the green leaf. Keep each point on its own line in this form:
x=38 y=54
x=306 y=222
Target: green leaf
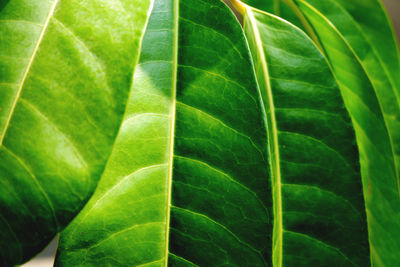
x=367 y=28
x=368 y=83
x=276 y=7
x=319 y=213
x=188 y=180
x=188 y=183
x=65 y=74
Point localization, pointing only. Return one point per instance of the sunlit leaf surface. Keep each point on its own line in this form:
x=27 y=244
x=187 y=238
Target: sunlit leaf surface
x=65 y=74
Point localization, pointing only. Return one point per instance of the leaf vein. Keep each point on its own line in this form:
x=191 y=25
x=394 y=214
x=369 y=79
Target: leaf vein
x=39 y=186
x=55 y=127
x=222 y=226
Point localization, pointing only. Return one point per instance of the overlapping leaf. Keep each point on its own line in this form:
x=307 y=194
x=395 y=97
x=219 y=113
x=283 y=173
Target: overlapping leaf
x=365 y=60
x=187 y=183
x=319 y=214
x=360 y=44
x=65 y=73
x=188 y=180
x=279 y=8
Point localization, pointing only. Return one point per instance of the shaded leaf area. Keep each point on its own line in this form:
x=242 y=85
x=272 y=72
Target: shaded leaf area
x=277 y=7
x=319 y=213
x=65 y=73
x=188 y=178
x=364 y=73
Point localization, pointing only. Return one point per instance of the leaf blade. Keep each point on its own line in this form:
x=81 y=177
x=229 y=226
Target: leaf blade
x=217 y=145
x=299 y=79
x=375 y=131
x=56 y=137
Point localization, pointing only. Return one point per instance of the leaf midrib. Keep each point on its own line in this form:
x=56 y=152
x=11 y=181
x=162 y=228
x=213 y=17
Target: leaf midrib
x=31 y=60
x=172 y=129
x=273 y=134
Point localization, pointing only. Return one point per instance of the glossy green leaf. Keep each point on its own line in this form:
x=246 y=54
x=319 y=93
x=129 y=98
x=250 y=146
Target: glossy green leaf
x=358 y=38
x=368 y=83
x=188 y=184
x=188 y=180
x=319 y=213
x=65 y=74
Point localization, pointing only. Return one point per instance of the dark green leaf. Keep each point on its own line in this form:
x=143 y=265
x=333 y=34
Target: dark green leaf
x=368 y=81
x=319 y=213
x=277 y=7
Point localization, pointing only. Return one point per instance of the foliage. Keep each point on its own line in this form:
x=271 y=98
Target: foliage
x=179 y=134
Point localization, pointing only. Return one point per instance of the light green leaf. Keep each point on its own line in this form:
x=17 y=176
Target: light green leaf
x=188 y=179
x=366 y=78
x=65 y=74
x=319 y=213
x=188 y=184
